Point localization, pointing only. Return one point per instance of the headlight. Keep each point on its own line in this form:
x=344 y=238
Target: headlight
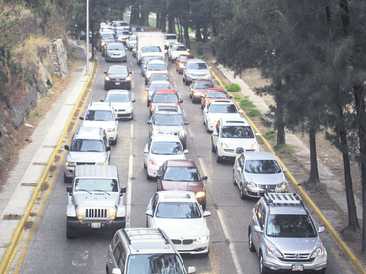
x=273 y=251
x=200 y=195
x=112 y=213
x=70 y=164
x=107 y=78
x=80 y=213
x=282 y=187
x=224 y=145
x=317 y=252
x=202 y=239
x=111 y=129
x=251 y=185
x=152 y=162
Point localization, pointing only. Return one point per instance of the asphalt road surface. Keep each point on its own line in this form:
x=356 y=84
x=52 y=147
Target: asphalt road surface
x=50 y=251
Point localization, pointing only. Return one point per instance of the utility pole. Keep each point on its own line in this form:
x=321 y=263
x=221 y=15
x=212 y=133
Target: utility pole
x=87 y=37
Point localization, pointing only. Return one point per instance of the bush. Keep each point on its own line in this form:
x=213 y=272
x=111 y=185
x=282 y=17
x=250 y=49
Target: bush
x=233 y=87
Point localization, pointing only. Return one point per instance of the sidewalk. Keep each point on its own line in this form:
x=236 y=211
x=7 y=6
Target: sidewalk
x=33 y=158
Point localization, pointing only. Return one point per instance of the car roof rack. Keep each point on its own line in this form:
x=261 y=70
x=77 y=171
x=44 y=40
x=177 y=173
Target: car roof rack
x=282 y=199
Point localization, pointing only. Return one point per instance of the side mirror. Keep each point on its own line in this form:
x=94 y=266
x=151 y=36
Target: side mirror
x=116 y=271
x=190 y=270
x=204 y=178
x=69 y=189
x=149 y=212
x=321 y=229
x=239 y=150
x=185 y=151
x=258 y=229
x=148 y=122
x=108 y=148
x=123 y=190
x=206 y=213
x=66 y=147
x=81 y=118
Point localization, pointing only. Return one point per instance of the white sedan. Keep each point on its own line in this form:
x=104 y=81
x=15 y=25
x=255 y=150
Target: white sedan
x=160 y=148
x=121 y=102
x=219 y=109
x=181 y=217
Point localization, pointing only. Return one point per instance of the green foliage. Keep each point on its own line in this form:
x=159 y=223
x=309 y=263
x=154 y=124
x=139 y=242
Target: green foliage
x=249 y=108
x=233 y=87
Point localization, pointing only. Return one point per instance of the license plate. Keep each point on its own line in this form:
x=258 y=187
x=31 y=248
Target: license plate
x=96 y=225
x=297 y=268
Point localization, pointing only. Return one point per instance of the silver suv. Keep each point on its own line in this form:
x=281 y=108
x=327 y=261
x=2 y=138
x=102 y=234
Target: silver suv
x=143 y=250
x=95 y=200
x=284 y=235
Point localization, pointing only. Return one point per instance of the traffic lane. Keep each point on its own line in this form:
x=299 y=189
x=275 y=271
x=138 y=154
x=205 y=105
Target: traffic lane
x=50 y=251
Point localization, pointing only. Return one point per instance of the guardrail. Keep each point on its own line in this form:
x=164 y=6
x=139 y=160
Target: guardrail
x=356 y=263
x=9 y=253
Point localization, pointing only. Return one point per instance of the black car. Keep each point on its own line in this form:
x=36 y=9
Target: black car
x=117 y=77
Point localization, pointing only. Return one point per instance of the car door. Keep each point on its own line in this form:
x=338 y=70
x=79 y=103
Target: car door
x=260 y=217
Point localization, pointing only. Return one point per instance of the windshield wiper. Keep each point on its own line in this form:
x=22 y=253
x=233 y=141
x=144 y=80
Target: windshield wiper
x=100 y=190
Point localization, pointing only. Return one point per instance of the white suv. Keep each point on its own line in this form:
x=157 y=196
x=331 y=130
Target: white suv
x=101 y=115
x=230 y=134
x=181 y=217
x=176 y=50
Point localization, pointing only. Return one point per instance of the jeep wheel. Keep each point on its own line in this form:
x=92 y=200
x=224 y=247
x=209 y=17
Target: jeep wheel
x=262 y=268
x=250 y=242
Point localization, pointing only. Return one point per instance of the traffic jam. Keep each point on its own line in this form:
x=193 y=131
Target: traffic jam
x=281 y=231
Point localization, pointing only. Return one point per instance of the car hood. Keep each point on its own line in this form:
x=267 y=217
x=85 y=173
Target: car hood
x=115 y=52
x=100 y=124
x=185 y=186
x=96 y=199
x=295 y=245
x=152 y=54
x=117 y=76
x=265 y=179
x=87 y=157
x=176 y=228
x=121 y=105
x=149 y=72
x=245 y=143
x=216 y=116
x=160 y=159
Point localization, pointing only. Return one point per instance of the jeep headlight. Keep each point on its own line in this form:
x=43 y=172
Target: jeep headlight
x=80 y=213
x=282 y=187
x=200 y=195
x=112 y=213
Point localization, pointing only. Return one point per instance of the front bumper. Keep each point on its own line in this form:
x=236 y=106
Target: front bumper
x=123 y=84
x=117 y=223
x=191 y=78
x=277 y=264
x=124 y=114
x=186 y=247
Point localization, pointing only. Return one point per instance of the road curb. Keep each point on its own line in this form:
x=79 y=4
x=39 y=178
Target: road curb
x=356 y=263
x=10 y=250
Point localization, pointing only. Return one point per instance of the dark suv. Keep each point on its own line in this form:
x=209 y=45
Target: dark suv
x=117 y=77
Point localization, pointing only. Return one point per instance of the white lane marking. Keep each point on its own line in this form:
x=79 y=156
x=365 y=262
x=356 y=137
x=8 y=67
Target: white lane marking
x=224 y=227
x=129 y=180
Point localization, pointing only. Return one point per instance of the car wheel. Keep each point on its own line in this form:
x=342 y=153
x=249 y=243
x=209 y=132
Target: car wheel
x=218 y=158
x=106 y=269
x=250 y=242
x=105 y=87
x=147 y=223
x=148 y=176
x=213 y=149
x=114 y=142
x=262 y=268
x=241 y=191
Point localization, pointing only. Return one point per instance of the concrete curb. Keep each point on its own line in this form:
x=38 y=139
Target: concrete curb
x=356 y=263
x=46 y=166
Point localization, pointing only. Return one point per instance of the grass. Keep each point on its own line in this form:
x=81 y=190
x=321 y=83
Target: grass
x=249 y=108
x=284 y=150
x=233 y=87
x=270 y=135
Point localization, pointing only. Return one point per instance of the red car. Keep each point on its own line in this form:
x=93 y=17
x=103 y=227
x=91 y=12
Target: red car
x=164 y=97
x=198 y=89
x=214 y=94
x=182 y=175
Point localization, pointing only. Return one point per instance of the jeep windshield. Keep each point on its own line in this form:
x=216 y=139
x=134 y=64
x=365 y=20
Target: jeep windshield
x=166 y=148
x=99 y=115
x=155 y=264
x=156 y=66
x=237 y=132
x=262 y=167
x=96 y=184
x=168 y=120
x=290 y=226
x=85 y=145
x=202 y=85
x=178 y=211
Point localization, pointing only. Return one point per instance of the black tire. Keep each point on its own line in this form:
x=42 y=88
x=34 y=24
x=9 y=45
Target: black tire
x=322 y=271
x=106 y=87
x=70 y=233
x=106 y=269
x=250 y=242
x=262 y=268
x=241 y=191
x=113 y=143
x=218 y=158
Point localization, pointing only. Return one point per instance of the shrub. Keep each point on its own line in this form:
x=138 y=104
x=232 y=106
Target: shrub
x=233 y=87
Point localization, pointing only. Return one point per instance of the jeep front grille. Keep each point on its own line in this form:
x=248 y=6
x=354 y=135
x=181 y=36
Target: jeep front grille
x=96 y=213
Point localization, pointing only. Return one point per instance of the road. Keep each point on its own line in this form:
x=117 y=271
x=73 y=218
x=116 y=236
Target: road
x=50 y=251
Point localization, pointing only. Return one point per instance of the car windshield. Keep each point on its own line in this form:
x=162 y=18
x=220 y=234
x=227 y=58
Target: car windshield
x=99 y=115
x=85 y=145
x=150 y=49
x=166 y=148
x=202 y=84
x=156 y=66
x=181 y=210
x=96 y=184
x=262 y=166
x=159 y=77
x=197 y=66
x=165 y=98
x=237 y=132
x=115 y=46
x=290 y=226
x=118 y=70
x=120 y=98
x=168 y=120
x=222 y=108
x=216 y=95
x=155 y=264
x=180 y=173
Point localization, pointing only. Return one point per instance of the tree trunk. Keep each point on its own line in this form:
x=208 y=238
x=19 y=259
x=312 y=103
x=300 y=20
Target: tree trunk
x=280 y=123
x=359 y=94
x=198 y=33
x=186 y=33
x=351 y=206
x=163 y=22
x=205 y=33
x=180 y=31
x=314 y=171
x=171 y=24
x=135 y=14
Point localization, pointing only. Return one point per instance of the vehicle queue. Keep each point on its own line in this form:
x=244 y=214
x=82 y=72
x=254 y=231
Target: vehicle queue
x=95 y=197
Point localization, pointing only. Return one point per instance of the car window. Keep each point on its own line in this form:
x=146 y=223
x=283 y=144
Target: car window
x=94 y=184
x=117 y=252
x=222 y=108
x=119 y=98
x=290 y=226
x=184 y=174
x=237 y=132
x=165 y=98
x=166 y=148
x=115 y=46
x=159 y=77
x=197 y=66
x=216 y=95
x=155 y=263
x=202 y=84
x=151 y=49
x=99 y=115
x=85 y=145
x=173 y=210
x=180 y=48
x=156 y=67
x=262 y=167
